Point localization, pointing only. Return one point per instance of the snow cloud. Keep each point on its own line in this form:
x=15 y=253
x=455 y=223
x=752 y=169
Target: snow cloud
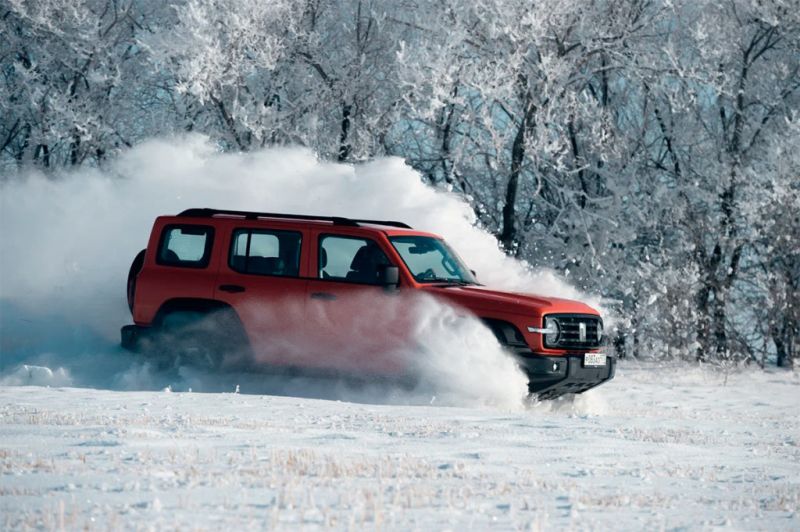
x=69 y=239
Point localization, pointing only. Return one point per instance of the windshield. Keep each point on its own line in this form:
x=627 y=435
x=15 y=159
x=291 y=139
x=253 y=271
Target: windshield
x=431 y=260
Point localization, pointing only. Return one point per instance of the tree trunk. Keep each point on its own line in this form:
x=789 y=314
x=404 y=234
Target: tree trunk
x=619 y=345
x=703 y=321
x=445 y=126
x=508 y=236
x=344 y=146
x=719 y=324
x=23 y=146
x=74 y=150
x=44 y=152
x=576 y=155
x=229 y=122
x=782 y=358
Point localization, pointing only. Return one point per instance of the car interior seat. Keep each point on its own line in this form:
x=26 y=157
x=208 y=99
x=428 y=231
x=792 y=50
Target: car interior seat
x=364 y=267
x=323 y=262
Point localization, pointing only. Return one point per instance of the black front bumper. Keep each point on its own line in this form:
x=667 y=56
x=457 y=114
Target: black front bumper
x=550 y=377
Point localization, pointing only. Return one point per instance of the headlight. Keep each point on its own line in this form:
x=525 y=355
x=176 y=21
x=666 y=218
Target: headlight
x=599 y=331
x=551 y=326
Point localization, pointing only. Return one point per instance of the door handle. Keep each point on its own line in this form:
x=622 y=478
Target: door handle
x=232 y=288
x=323 y=295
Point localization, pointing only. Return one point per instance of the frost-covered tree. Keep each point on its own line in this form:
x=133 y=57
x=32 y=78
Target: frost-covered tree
x=219 y=61
x=715 y=98
x=770 y=285
x=613 y=141
x=645 y=149
x=520 y=106
x=314 y=73
x=69 y=85
x=531 y=110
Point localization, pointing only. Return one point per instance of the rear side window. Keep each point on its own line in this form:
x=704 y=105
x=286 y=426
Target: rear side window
x=266 y=252
x=187 y=246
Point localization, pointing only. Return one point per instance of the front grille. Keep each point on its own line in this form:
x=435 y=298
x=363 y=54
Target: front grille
x=569 y=326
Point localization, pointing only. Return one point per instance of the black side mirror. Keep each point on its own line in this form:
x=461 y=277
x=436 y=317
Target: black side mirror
x=389 y=277
x=475 y=275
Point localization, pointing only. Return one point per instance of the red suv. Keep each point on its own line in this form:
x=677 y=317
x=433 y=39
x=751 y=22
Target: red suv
x=334 y=294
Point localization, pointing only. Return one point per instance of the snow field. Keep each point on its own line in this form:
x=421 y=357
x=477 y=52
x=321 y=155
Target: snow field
x=657 y=448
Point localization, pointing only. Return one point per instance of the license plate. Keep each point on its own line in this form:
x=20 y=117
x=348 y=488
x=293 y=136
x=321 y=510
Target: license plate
x=594 y=359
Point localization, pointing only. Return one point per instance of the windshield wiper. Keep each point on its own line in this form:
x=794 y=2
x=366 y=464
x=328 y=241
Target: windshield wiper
x=454 y=282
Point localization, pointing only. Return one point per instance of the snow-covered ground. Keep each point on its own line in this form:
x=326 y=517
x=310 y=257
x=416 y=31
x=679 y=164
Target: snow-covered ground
x=657 y=448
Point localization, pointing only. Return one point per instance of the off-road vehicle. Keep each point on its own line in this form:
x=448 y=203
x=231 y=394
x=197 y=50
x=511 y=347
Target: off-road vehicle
x=331 y=294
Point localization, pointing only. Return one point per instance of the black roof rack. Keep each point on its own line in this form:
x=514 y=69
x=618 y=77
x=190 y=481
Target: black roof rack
x=248 y=215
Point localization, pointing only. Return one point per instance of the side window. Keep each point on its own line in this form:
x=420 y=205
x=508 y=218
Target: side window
x=266 y=252
x=187 y=246
x=358 y=260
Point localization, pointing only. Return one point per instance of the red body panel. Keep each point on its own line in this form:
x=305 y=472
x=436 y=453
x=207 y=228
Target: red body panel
x=312 y=322
x=522 y=310
x=157 y=283
x=270 y=307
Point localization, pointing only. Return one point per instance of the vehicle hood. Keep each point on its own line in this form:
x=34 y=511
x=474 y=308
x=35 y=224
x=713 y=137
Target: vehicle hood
x=483 y=298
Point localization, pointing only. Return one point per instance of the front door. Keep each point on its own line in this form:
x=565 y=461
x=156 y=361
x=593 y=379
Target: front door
x=352 y=319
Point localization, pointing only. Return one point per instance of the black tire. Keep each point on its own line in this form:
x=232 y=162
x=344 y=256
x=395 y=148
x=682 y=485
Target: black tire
x=208 y=340
x=133 y=273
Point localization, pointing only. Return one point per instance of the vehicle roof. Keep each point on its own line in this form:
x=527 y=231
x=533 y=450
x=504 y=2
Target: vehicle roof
x=389 y=227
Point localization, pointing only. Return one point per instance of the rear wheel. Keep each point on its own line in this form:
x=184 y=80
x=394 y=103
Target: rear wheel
x=133 y=272
x=208 y=340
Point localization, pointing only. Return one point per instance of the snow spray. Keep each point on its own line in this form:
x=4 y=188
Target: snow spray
x=69 y=239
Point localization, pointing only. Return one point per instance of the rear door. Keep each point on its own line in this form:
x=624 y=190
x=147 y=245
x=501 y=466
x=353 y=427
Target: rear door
x=263 y=277
x=353 y=320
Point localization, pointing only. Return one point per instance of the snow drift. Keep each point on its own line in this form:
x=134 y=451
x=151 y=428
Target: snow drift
x=69 y=239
